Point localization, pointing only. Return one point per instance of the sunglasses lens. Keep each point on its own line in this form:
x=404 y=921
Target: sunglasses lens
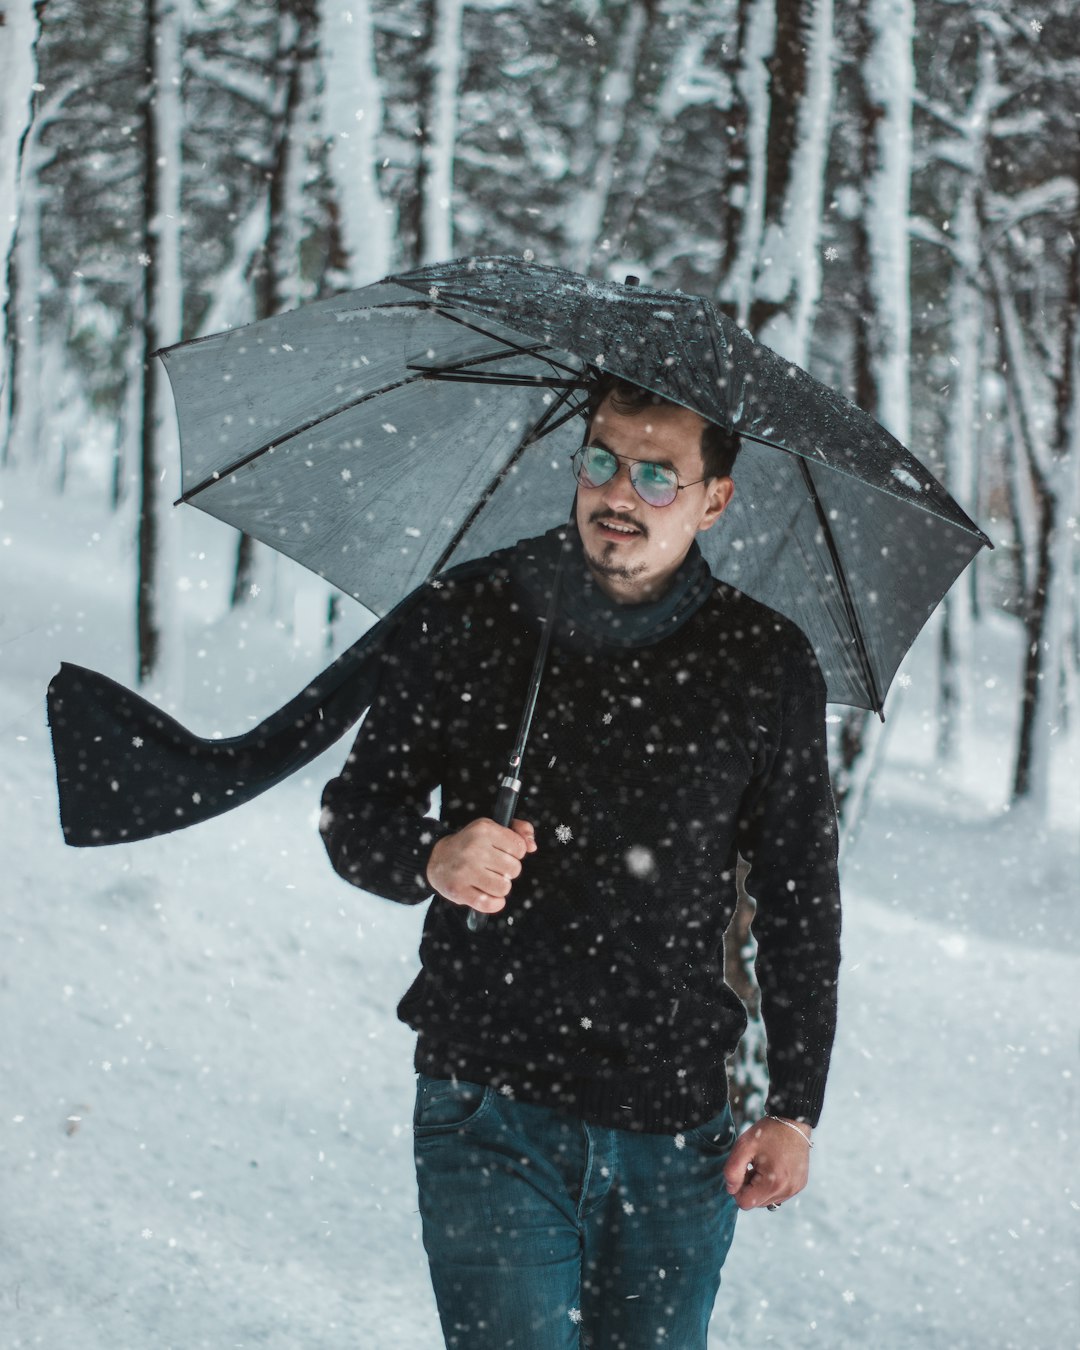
x=595 y=466
x=654 y=484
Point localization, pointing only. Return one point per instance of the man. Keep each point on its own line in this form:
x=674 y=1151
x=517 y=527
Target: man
x=578 y=1170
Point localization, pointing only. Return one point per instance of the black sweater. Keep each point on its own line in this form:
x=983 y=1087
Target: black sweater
x=600 y=987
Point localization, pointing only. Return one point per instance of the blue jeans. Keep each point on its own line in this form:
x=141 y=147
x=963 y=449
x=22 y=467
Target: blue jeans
x=544 y=1232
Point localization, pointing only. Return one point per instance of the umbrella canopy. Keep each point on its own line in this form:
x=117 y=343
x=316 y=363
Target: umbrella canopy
x=381 y=435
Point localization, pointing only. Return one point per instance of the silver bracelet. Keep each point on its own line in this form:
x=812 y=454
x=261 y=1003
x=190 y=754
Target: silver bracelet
x=792 y=1126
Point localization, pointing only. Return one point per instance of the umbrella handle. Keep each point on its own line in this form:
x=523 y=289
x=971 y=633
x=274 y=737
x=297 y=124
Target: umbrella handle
x=503 y=814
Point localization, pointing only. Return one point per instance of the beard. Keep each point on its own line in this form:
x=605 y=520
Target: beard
x=607 y=564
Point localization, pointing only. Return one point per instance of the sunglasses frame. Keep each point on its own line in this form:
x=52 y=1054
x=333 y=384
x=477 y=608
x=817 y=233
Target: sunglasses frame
x=578 y=461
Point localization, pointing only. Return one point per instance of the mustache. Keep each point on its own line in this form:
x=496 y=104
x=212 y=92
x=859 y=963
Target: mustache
x=602 y=517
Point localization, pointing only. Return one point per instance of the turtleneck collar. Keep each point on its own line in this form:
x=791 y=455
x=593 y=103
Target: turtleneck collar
x=586 y=615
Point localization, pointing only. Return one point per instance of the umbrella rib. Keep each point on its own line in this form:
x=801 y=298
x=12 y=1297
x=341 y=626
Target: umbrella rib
x=845 y=591
x=504 y=350
x=244 y=460
x=518 y=350
x=514 y=347
x=451 y=376
x=534 y=433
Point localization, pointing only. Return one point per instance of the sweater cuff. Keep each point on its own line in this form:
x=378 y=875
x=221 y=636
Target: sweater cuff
x=407 y=857
x=797 y=1100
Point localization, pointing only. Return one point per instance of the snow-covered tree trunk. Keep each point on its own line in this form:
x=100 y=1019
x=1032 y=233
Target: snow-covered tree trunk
x=439 y=123
x=882 y=278
x=1055 y=473
x=775 y=284
x=787 y=284
x=158 y=617
x=685 y=84
x=597 y=175
x=18 y=189
x=745 y=221
x=888 y=81
x=966 y=321
x=277 y=277
x=352 y=106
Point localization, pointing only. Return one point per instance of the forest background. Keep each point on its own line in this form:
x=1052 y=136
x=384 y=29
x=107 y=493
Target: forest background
x=887 y=192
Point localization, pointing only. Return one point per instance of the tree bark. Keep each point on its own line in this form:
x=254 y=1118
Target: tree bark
x=352 y=120
x=598 y=177
x=19 y=224
x=161 y=325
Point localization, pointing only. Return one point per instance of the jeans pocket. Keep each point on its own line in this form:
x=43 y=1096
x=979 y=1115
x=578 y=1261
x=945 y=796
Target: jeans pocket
x=444 y=1105
x=716 y=1136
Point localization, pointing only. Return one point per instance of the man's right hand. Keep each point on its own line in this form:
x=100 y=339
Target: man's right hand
x=476 y=866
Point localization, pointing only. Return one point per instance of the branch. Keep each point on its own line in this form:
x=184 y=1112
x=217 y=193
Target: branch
x=256 y=93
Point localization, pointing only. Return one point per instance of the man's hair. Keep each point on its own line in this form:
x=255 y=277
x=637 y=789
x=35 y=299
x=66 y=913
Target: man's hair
x=718 y=445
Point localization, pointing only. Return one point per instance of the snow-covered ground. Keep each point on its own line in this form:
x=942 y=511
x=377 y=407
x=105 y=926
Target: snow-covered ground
x=205 y=1096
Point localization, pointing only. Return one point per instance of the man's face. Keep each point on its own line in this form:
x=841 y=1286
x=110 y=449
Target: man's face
x=633 y=549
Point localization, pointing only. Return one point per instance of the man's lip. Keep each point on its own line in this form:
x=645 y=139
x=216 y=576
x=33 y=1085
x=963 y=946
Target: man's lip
x=621 y=527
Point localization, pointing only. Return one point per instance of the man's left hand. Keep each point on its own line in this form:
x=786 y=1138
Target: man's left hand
x=769 y=1163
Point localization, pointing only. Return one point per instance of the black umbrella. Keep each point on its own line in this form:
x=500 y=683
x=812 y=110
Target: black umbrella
x=384 y=434
x=381 y=435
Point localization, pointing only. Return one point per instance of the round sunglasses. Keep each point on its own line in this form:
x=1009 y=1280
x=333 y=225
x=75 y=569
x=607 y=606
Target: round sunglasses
x=655 y=484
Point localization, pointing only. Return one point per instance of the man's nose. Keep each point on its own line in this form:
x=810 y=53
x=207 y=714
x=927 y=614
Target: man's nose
x=618 y=491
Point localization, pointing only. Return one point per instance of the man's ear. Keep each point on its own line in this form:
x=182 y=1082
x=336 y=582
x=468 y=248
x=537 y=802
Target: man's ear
x=719 y=492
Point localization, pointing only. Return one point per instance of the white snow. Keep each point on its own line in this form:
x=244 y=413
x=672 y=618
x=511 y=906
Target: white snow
x=205 y=1119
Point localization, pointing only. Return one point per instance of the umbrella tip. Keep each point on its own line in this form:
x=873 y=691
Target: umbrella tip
x=632 y=280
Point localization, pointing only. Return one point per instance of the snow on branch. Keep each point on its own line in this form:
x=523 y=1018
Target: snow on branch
x=254 y=90
x=1054 y=196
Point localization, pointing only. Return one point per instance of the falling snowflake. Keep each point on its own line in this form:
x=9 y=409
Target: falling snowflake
x=1036 y=26
x=904 y=681
x=586 y=1022
x=639 y=861
x=627 y=1207
x=831 y=254
x=147 y=1233
x=606 y=718
x=137 y=742
x=144 y=260
x=346 y=474
x=254 y=591
x=575 y=1316
x=563 y=833
x=848 y=1296
x=680 y=1142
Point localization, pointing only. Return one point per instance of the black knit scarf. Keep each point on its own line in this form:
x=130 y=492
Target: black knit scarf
x=127 y=771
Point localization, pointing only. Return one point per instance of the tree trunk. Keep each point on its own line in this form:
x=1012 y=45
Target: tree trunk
x=352 y=119
x=787 y=283
x=1051 y=604
x=20 y=336
x=276 y=274
x=599 y=174
x=434 y=213
x=744 y=224
x=157 y=617
x=776 y=281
